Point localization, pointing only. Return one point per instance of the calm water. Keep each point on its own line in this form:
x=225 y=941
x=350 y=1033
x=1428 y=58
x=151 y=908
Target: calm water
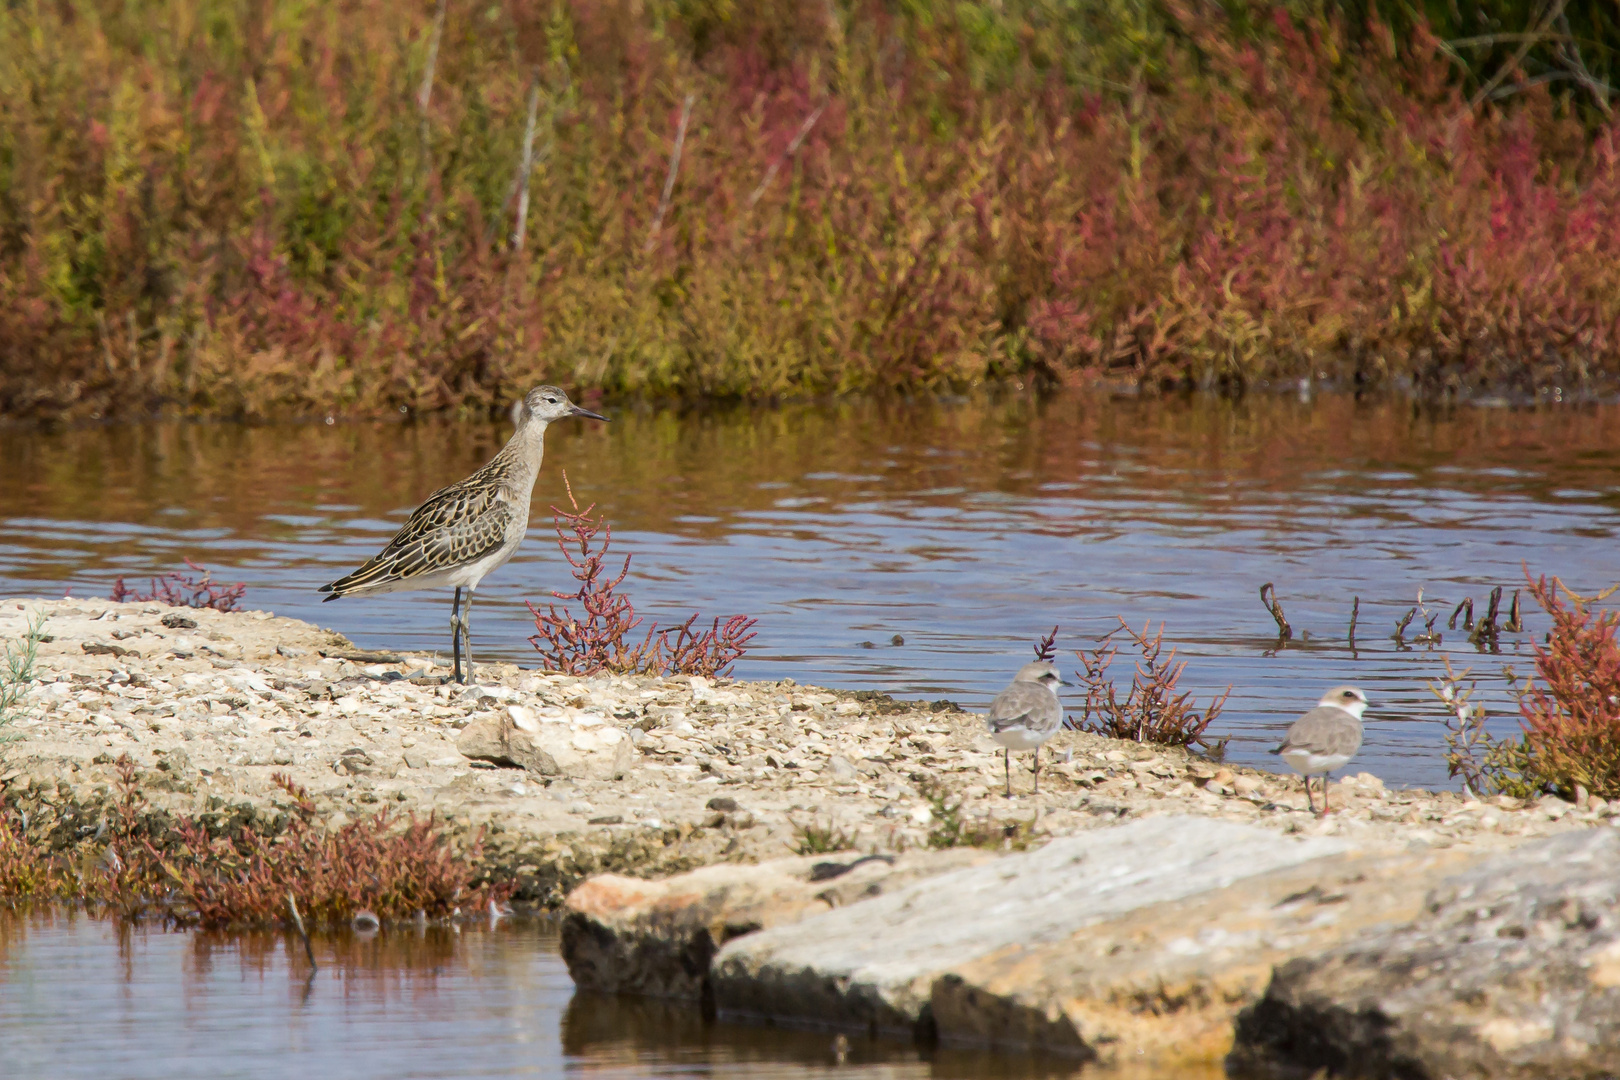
x=85 y=998
x=966 y=527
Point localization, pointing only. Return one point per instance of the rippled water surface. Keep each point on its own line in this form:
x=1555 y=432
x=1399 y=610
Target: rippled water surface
x=967 y=528
x=86 y=998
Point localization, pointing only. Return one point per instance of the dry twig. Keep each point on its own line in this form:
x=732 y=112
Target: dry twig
x=669 y=177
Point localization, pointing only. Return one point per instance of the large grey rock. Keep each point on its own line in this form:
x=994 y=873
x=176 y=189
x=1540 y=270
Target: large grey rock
x=656 y=938
x=1512 y=970
x=1160 y=986
x=874 y=964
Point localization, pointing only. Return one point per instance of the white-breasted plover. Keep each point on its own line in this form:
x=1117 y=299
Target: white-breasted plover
x=1026 y=714
x=1325 y=738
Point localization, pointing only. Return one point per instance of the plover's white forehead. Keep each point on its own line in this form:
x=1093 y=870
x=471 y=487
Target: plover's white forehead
x=1344 y=697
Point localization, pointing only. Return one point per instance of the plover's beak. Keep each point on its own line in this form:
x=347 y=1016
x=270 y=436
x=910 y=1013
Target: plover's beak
x=587 y=413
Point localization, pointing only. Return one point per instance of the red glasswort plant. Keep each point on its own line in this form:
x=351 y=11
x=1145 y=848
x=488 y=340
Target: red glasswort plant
x=1152 y=711
x=142 y=862
x=1570 y=712
x=373 y=864
x=599 y=640
x=183 y=590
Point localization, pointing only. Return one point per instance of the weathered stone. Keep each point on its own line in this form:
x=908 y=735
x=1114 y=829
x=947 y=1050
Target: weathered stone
x=874 y=964
x=513 y=737
x=1511 y=970
x=626 y=935
x=1163 y=984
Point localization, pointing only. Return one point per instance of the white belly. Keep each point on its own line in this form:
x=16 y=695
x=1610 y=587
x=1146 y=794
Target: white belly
x=1308 y=764
x=1021 y=738
x=468 y=576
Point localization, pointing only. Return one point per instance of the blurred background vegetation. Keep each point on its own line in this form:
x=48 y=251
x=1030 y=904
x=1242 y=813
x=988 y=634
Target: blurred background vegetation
x=279 y=207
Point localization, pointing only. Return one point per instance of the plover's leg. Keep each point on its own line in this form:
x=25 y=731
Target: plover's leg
x=1007 y=761
x=1324 y=794
x=1309 y=801
x=466 y=635
x=455 y=635
x=1037 y=770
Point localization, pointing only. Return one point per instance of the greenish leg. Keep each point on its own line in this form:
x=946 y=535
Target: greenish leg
x=455 y=635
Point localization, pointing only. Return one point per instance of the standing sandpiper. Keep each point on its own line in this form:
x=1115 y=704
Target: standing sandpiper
x=467 y=529
x=1325 y=738
x=1026 y=714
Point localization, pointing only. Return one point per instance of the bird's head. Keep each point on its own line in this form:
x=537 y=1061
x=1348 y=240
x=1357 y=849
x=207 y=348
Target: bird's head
x=1040 y=671
x=547 y=403
x=1348 y=698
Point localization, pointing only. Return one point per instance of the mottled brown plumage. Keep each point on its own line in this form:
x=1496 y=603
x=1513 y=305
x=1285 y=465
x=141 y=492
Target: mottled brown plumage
x=464 y=531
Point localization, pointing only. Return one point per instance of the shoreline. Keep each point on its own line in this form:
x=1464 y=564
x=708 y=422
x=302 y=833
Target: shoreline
x=785 y=854
x=211 y=712
x=1601 y=389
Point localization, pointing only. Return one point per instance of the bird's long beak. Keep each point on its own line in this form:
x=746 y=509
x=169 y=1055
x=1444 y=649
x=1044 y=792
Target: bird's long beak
x=587 y=413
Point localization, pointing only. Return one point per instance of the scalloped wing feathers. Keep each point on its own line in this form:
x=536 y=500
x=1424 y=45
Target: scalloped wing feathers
x=457 y=525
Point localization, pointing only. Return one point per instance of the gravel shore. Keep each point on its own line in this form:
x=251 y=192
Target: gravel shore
x=645 y=776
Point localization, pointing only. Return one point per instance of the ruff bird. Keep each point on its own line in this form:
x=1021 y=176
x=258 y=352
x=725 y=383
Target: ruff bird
x=464 y=531
x=1325 y=738
x=1026 y=714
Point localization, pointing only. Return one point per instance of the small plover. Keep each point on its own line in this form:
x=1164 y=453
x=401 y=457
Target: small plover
x=1325 y=738
x=464 y=531
x=1026 y=714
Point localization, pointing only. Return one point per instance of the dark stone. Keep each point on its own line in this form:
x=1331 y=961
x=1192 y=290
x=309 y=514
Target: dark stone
x=1511 y=971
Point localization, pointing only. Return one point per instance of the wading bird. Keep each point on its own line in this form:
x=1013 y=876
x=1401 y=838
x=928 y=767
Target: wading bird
x=1026 y=714
x=1325 y=738
x=464 y=531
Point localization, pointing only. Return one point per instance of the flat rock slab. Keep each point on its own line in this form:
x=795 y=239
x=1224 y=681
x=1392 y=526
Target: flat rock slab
x=657 y=938
x=1163 y=984
x=1512 y=970
x=875 y=964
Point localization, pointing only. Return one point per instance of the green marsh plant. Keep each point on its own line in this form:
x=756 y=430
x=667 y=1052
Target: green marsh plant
x=17 y=672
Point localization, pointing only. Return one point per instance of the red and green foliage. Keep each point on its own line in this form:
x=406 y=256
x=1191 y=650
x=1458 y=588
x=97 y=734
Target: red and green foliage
x=599 y=639
x=1570 y=712
x=139 y=863
x=272 y=208
x=1152 y=710
x=183 y=590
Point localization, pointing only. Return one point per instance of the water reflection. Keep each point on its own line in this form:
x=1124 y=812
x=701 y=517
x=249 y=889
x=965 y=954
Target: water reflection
x=83 y=997
x=965 y=527
x=624 y=1037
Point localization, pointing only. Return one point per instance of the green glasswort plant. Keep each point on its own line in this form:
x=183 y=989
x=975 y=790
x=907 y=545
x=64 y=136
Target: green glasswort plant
x=17 y=672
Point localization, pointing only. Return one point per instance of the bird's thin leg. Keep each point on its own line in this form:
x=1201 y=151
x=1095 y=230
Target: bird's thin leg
x=466 y=635
x=1007 y=761
x=1309 y=801
x=1324 y=795
x=1037 y=770
x=455 y=634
